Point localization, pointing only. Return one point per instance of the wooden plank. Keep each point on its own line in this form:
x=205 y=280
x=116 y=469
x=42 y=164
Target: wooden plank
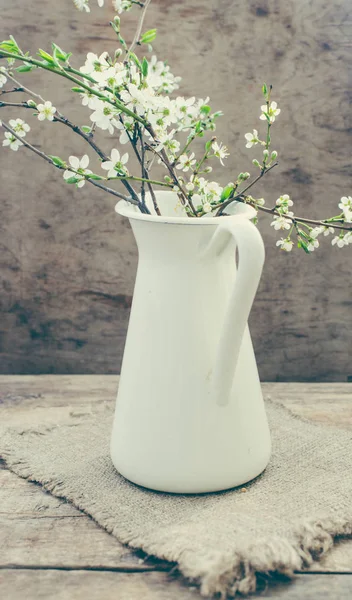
x=68 y=262
x=38 y=529
x=87 y=585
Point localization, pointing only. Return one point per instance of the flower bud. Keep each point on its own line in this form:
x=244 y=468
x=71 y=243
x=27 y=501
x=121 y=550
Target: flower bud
x=273 y=155
x=265 y=154
x=32 y=103
x=255 y=162
x=208 y=169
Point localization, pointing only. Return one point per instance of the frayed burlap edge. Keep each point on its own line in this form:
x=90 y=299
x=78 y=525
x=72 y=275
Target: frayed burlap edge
x=222 y=575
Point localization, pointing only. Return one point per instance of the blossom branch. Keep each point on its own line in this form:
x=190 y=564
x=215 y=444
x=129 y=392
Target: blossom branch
x=294 y=219
x=63 y=72
x=62 y=168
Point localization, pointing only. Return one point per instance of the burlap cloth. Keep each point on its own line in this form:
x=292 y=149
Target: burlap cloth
x=288 y=517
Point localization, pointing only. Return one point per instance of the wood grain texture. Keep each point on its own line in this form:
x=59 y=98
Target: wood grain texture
x=68 y=263
x=39 y=530
x=83 y=585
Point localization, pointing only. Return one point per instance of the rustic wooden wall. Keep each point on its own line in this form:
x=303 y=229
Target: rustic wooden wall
x=68 y=262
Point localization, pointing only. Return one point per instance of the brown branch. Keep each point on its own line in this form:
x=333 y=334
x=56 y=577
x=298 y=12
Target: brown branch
x=18 y=89
x=233 y=198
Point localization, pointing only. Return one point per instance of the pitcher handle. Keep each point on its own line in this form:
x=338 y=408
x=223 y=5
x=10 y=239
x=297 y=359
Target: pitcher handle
x=251 y=259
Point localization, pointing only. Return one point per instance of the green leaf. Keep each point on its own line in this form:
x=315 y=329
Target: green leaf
x=10 y=46
x=205 y=109
x=145 y=66
x=57 y=161
x=208 y=145
x=265 y=90
x=25 y=68
x=60 y=54
x=199 y=127
x=136 y=60
x=303 y=245
x=148 y=36
x=47 y=57
x=95 y=177
x=72 y=180
x=79 y=90
x=226 y=192
x=86 y=129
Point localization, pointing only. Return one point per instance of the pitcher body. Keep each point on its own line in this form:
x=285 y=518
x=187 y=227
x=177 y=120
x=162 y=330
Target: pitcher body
x=174 y=430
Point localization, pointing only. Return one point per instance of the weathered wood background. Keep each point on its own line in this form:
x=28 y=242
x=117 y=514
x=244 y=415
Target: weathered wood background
x=68 y=262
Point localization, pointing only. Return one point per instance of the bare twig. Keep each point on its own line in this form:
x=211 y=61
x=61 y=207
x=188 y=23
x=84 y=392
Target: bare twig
x=139 y=27
x=241 y=193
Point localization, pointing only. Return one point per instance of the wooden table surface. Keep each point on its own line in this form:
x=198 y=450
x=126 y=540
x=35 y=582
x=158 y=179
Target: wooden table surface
x=49 y=549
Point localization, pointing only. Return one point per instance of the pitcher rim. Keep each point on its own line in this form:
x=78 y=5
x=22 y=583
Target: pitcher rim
x=126 y=209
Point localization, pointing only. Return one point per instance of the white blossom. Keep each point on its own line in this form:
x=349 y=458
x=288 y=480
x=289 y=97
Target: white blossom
x=46 y=111
x=282 y=222
x=272 y=111
x=284 y=202
x=285 y=244
x=186 y=162
x=252 y=138
x=104 y=116
x=126 y=127
x=95 y=64
x=160 y=77
x=207 y=207
x=116 y=164
x=19 y=126
x=342 y=240
x=346 y=206
x=89 y=99
x=313 y=243
x=122 y=5
x=220 y=151
x=82 y=5
x=213 y=189
x=11 y=141
x=80 y=169
x=138 y=100
x=167 y=141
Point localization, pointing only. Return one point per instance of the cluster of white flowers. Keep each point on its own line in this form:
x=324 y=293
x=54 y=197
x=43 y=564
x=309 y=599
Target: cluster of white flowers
x=283 y=219
x=119 y=5
x=21 y=128
x=205 y=194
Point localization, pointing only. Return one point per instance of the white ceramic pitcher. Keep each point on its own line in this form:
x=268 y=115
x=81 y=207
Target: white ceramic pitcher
x=190 y=416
